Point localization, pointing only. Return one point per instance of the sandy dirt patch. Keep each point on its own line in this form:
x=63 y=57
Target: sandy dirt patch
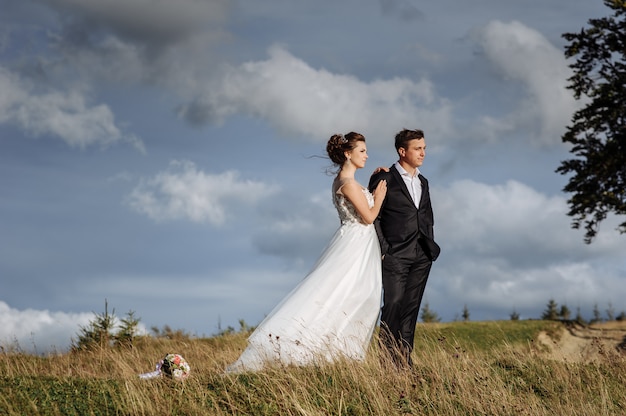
x=585 y=343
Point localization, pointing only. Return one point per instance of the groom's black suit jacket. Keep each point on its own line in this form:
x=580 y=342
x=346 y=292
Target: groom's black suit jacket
x=401 y=227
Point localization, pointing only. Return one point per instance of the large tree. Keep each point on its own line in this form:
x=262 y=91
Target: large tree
x=598 y=131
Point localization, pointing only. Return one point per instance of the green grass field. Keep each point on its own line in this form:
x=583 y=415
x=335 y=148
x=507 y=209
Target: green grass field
x=461 y=368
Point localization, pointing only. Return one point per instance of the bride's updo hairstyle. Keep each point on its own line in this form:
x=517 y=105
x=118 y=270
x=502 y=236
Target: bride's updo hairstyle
x=339 y=144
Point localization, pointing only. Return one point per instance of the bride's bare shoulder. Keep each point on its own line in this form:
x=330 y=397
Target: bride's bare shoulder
x=341 y=184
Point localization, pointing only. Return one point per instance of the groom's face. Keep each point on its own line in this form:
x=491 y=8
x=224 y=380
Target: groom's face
x=414 y=153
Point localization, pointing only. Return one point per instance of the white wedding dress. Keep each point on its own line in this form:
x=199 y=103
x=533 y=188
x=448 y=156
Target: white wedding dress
x=332 y=313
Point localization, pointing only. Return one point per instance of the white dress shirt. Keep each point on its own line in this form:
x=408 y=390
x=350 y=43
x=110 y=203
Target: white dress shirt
x=413 y=183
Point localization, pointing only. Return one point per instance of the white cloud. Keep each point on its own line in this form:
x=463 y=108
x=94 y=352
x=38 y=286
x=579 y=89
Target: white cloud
x=44 y=331
x=498 y=220
x=506 y=246
x=184 y=192
x=39 y=330
x=62 y=114
x=300 y=100
x=525 y=55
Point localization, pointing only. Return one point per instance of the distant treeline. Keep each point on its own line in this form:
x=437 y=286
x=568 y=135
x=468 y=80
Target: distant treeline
x=552 y=312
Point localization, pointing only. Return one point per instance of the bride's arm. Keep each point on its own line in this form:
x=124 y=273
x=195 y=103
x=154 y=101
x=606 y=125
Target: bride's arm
x=354 y=192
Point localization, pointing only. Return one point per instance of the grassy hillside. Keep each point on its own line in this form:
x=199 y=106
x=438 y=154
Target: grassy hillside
x=462 y=368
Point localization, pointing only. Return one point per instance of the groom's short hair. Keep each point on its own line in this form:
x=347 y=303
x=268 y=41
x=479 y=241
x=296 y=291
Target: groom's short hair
x=404 y=136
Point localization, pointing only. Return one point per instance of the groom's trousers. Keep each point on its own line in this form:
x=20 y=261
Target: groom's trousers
x=404 y=281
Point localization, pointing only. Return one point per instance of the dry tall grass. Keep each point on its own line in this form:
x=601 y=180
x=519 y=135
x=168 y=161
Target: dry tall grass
x=451 y=377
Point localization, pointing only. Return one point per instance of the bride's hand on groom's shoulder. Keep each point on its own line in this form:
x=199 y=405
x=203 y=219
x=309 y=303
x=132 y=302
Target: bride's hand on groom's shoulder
x=379 y=169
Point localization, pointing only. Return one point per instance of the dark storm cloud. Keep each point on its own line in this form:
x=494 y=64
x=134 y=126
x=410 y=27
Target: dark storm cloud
x=402 y=9
x=144 y=21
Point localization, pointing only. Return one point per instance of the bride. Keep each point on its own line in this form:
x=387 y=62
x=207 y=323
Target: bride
x=332 y=313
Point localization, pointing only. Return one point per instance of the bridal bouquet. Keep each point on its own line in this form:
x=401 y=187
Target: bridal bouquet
x=173 y=365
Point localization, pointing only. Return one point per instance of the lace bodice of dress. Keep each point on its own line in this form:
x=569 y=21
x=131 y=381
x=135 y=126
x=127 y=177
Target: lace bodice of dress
x=345 y=209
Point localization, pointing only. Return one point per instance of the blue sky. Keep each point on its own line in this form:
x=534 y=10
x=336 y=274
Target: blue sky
x=168 y=156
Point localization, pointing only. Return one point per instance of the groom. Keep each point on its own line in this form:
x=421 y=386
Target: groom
x=405 y=230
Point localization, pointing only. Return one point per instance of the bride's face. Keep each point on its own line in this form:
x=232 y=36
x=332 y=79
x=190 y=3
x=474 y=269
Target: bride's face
x=358 y=155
